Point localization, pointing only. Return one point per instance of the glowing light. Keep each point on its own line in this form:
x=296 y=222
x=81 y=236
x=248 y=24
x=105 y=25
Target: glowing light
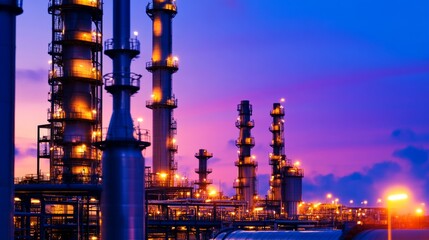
x=282 y=99
x=136 y=33
x=396 y=197
x=140 y=120
x=175 y=59
x=17 y=199
x=351 y=201
x=419 y=211
x=163 y=175
x=297 y=163
x=329 y=196
x=213 y=192
x=50 y=62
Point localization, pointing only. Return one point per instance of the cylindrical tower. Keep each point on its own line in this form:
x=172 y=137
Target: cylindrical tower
x=202 y=171
x=122 y=199
x=277 y=158
x=291 y=188
x=162 y=66
x=75 y=96
x=245 y=184
x=9 y=9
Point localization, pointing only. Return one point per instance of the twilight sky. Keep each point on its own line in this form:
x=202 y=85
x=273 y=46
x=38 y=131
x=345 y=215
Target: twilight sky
x=354 y=75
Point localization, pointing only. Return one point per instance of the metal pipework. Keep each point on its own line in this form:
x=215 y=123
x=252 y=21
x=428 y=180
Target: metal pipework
x=162 y=66
x=122 y=200
x=245 y=184
x=277 y=158
x=203 y=156
x=9 y=9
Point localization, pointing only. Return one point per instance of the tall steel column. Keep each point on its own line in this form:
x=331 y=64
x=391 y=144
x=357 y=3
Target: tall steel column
x=245 y=184
x=9 y=9
x=75 y=96
x=203 y=156
x=277 y=158
x=122 y=199
x=162 y=66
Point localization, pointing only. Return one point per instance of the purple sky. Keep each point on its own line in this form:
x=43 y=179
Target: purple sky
x=354 y=75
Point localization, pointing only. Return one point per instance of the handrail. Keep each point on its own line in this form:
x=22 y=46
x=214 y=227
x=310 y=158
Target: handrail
x=133 y=44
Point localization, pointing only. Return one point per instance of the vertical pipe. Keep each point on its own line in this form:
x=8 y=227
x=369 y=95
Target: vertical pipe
x=122 y=200
x=162 y=66
x=9 y=9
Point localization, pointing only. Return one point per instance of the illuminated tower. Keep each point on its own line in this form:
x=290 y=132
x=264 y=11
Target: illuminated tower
x=202 y=171
x=245 y=184
x=75 y=95
x=122 y=199
x=162 y=66
x=277 y=157
x=9 y=9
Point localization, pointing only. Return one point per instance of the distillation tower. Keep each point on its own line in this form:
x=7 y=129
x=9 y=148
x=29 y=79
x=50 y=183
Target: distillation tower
x=277 y=158
x=63 y=204
x=162 y=66
x=75 y=96
x=9 y=9
x=123 y=192
x=203 y=156
x=245 y=184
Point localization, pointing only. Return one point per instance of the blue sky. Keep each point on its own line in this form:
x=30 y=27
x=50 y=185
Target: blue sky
x=354 y=75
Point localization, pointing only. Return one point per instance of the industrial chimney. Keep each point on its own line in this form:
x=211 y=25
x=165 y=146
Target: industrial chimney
x=245 y=184
x=9 y=9
x=162 y=66
x=202 y=171
x=122 y=199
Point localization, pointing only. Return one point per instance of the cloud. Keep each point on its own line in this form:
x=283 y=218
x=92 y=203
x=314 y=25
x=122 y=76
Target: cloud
x=417 y=158
x=34 y=75
x=365 y=185
x=214 y=160
x=409 y=136
x=231 y=143
x=21 y=153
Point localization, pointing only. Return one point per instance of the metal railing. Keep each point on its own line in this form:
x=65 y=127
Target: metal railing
x=125 y=79
x=90 y=3
x=132 y=44
x=164 y=63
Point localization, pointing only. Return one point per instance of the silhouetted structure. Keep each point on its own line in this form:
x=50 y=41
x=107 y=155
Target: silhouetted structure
x=245 y=184
x=9 y=9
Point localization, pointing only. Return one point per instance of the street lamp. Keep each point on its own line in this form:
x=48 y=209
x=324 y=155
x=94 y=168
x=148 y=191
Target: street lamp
x=390 y=199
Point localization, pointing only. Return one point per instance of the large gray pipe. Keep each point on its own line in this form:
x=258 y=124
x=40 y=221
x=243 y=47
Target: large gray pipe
x=8 y=11
x=122 y=200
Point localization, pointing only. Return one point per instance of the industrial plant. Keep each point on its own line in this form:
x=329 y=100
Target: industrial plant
x=99 y=185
